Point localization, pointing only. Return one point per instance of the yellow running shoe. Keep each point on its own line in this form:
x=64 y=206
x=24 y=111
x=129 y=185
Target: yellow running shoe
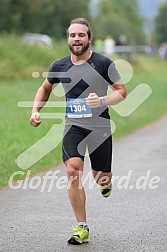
x=106 y=190
x=81 y=234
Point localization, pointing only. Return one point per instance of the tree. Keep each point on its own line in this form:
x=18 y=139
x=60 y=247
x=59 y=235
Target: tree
x=53 y=16
x=119 y=17
x=11 y=14
x=160 y=24
x=42 y=16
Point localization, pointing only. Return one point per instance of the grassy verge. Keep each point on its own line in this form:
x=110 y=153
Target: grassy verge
x=18 y=60
x=17 y=135
x=148 y=70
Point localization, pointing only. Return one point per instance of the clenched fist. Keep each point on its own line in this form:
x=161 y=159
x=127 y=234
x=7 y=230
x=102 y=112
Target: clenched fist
x=93 y=100
x=35 y=119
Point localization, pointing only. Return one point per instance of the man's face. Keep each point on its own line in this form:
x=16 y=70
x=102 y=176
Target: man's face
x=78 y=40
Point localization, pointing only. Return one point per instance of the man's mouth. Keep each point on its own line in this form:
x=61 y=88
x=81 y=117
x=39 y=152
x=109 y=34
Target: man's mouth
x=77 y=44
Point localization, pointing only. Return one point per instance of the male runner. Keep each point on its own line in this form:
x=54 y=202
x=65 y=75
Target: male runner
x=87 y=76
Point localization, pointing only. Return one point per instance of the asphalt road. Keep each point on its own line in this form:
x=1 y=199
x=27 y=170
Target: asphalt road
x=133 y=218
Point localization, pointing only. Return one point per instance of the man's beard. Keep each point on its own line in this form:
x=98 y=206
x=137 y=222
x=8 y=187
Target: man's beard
x=79 y=52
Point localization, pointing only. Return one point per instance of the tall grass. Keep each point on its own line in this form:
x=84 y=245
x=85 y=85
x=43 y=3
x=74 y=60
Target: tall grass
x=18 y=61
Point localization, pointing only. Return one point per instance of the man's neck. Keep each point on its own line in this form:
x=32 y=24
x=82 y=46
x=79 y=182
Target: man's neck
x=84 y=57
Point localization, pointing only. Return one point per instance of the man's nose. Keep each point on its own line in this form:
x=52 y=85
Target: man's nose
x=76 y=37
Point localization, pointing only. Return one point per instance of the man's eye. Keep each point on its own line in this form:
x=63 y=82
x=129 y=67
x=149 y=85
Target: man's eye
x=82 y=35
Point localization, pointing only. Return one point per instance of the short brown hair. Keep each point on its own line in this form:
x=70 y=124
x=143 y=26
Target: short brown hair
x=82 y=21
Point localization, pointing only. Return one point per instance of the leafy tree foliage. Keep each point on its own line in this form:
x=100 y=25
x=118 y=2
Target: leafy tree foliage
x=43 y=16
x=119 y=17
x=161 y=24
x=52 y=17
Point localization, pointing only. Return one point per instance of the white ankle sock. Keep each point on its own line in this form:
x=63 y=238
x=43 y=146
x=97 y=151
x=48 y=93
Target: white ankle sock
x=82 y=223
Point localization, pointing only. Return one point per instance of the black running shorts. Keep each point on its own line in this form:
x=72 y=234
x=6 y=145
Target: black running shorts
x=98 y=142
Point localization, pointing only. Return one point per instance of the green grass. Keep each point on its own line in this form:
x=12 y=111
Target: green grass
x=149 y=70
x=16 y=134
x=19 y=60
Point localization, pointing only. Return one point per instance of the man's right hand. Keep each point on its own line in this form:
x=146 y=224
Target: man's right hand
x=35 y=119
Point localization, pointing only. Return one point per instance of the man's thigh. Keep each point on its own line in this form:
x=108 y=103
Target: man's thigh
x=100 y=150
x=74 y=137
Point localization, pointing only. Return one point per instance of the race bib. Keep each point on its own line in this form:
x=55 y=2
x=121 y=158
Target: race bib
x=77 y=108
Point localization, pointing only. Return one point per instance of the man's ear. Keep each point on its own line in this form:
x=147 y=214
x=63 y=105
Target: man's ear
x=90 y=40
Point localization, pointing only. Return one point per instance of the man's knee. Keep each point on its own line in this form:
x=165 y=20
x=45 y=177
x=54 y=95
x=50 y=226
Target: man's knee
x=74 y=168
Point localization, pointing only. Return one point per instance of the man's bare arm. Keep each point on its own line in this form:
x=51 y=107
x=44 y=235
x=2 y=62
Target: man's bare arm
x=119 y=94
x=41 y=97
